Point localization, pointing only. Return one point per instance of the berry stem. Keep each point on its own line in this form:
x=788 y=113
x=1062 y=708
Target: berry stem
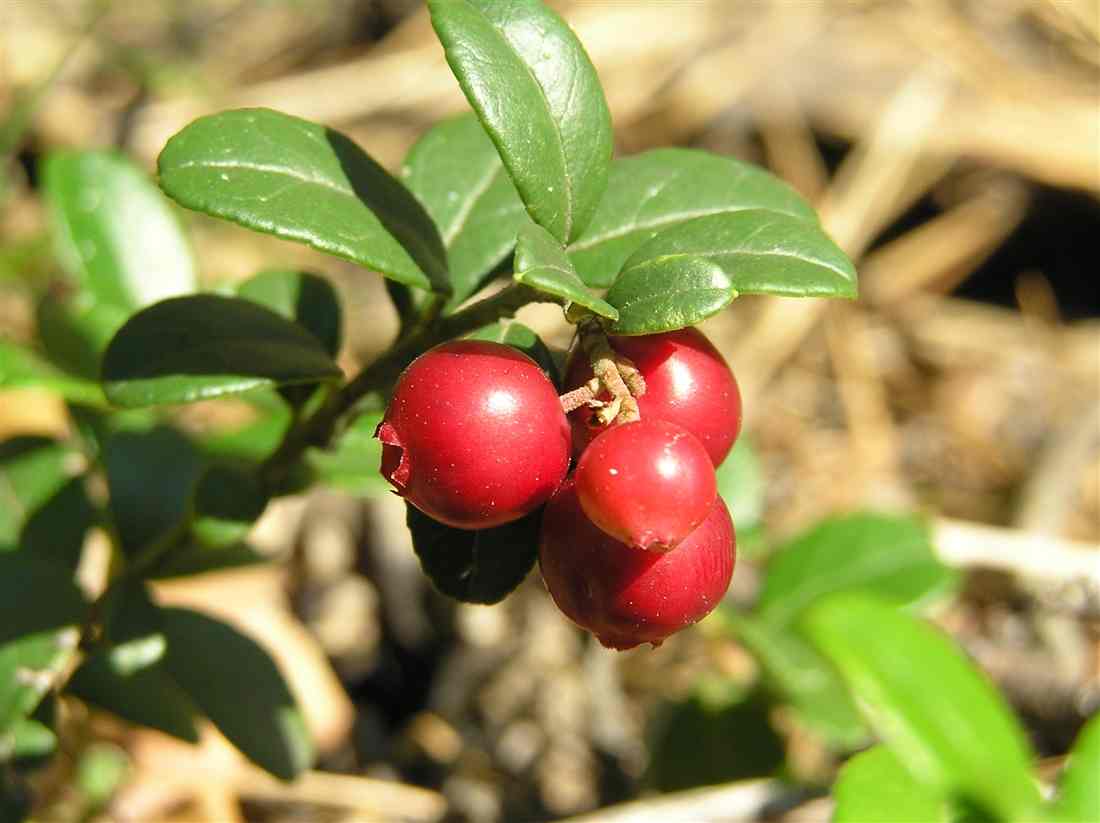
x=616 y=373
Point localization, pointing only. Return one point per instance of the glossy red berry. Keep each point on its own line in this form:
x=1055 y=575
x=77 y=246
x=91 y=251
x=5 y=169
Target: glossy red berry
x=474 y=435
x=648 y=483
x=687 y=382
x=626 y=596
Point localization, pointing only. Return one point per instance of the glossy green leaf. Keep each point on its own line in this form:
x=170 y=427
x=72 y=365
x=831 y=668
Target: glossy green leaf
x=519 y=336
x=32 y=470
x=656 y=190
x=944 y=720
x=298 y=180
x=455 y=171
x=115 y=232
x=353 y=462
x=802 y=677
x=29 y=668
x=667 y=293
x=873 y=787
x=890 y=557
x=238 y=686
x=741 y=484
x=228 y=500
x=306 y=299
x=542 y=264
x=21 y=368
x=537 y=94
x=475 y=566
x=38 y=596
x=75 y=332
x=56 y=530
x=1079 y=788
x=201 y=346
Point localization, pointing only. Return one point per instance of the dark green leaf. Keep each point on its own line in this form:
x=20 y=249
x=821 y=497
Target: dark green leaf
x=32 y=470
x=741 y=484
x=873 y=786
x=115 y=232
x=201 y=346
x=278 y=174
x=455 y=171
x=75 y=333
x=193 y=558
x=891 y=557
x=29 y=667
x=475 y=566
x=228 y=500
x=659 y=189
x=307 y=299
x=38 y=596
x=802 y=677
x=537 y=94
x=1079 y=788
x=56 y=529
x=945 y=721
x=353 y=463
x=519 y=336
x=542 y=264
x=237 y=685
x=15 y=799
x=22 y=368
x=667 y=293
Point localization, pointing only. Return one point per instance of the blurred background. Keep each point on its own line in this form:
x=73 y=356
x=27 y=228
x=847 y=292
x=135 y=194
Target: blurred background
x=953 y=150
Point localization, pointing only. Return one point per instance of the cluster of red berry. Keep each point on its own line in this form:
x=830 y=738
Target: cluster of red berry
x=636 y=543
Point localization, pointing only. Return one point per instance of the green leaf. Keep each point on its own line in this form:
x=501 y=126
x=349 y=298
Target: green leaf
x=38 y=596
x=802 y=677
x=668 y=293
x=29 y=667
x=519 y=336
x=253 y=442
x=32 y=470
x=741 y=484
x=891 y=557
x=194 y=558
x=101 y=771
x=1079 y=788
x=542 y=264
x=56 y=530
x=455 y=171
x=945 y=721
x=475 y=566
x=537 y=94
x=228 y=500
x=656 y=190
x=201 y=346
x=353 y=462
x=75 y=332
x=115 y=232
x=281 y=175
x=22 y=368
x=31 y=739
x=873 y=787
x=306 y=299
x=237 y=685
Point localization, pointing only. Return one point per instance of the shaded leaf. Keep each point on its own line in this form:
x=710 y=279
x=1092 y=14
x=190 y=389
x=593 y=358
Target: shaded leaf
x=29 y=667
x=228 y=500
x=201 y=346
x=30 y=739
x=304 y=298
x=1079 y=787
x=874 y=786
x=353 y=462
x=56 y=530
x=194 y=558
x=519 y=336
x=668 y=293
x=537 y=94
x=38 y=596
x=656 y=190
x=298 y=180
x=542 y=264
x=22 y=368
x=32 y=470
x=75 y=332
x=741 y=484
x=253 y=442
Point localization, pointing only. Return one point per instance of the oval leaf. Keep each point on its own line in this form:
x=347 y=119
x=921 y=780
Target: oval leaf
x=542 y=264
x=890 y=557
x=237 y=685
x=1079 y=788
x=38 y=596
x=115 y=232
x=200 y=346
x=947 y=724
x=535 y=90
x=873 y=785
x=659 y=189
x=667 y=293
x=29 y=668
x=475 y=566
x=298 y=180
x=455 y=171
x=304 y=298
x=22 y=368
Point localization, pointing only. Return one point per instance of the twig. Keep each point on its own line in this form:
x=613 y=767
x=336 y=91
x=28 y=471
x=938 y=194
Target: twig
x=609 y=368
x=736 y=801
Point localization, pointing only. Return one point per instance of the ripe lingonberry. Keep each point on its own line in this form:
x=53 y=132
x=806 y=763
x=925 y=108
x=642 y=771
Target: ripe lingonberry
x=474 y=435
x=648 y=483
x=626 y=596
x=687 y=382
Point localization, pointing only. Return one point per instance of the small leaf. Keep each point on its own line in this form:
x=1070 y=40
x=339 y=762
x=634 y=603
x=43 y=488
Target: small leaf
x=537 y=94
x=278 y=174
x=31 y=739
x=455 y=171
x=943 y=719
x=115 y=232
x=352 y=464
x=29 y=667
x=32 y=470
x=306 y=299
x=56 y=530
x=542 y=264
x=1079 y=788
x=874 y=786
x=22 y=368
x=891 y=557
x=518 y=336
x=238 y=686
x=102 y=769
x=656 y=190
x=201 y=346
x=475 y=566
x=741 y=484
x=228 y=500
x=668 y=293
x=38 y=596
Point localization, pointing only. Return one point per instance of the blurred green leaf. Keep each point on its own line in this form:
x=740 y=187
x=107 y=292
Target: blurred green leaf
x=237 y=685
x=519 y=336
x=741 y=484
x=115 y=232
x=1079 y=788
x=31 y=739
x=38 y=596
x=15 y=801
x=874 y=787
x=304 y=298
x=22 y=368
x=75 y=332
x=101 y=770
x=353 y=462
x=537 y=94
x=889 y=556
x=944 y=720
x=298 y=180
x=194 y=558
x=252 y=442
x=29 y=667
x=228 y=500
x=32 y=470
x=666 y=293
x=201 y=346
x=56 y=530
x=542 y=264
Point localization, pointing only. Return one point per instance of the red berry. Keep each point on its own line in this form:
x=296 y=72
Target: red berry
x=621 y=594
x=474 y=435
x=647 y=483
x=687 y=382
